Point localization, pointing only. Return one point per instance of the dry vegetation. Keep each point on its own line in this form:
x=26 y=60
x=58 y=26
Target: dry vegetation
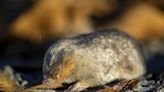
x=142 y=21
x=49 y=19
x=58 y=18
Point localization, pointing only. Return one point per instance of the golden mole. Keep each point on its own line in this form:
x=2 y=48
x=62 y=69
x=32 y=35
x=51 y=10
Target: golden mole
x=93 y=59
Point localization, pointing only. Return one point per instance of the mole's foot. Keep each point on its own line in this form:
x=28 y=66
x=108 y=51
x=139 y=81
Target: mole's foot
x=77 y=87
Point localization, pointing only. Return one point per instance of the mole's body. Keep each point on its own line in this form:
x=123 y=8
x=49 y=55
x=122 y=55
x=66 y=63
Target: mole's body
x=93 y=59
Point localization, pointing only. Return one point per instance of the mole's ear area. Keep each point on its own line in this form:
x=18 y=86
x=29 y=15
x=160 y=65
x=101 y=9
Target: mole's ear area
x=67 y=67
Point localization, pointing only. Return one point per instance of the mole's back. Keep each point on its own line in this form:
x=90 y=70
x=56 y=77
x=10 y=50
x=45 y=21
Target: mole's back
x=109 y=54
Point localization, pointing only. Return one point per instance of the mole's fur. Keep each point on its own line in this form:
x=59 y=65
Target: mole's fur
x=93 y=59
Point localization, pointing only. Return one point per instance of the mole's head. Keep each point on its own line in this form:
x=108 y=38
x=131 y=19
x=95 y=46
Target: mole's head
x=54 y=59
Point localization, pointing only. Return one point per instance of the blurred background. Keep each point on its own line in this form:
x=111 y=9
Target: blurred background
x=29 y=27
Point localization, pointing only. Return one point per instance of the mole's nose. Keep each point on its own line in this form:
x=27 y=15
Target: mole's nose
x=48 y=81
x=45 y=81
